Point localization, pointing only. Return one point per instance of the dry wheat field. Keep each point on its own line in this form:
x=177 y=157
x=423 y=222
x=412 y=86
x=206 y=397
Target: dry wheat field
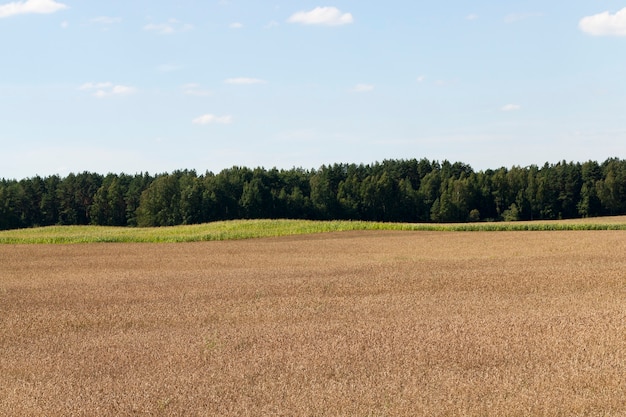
x=338 y=324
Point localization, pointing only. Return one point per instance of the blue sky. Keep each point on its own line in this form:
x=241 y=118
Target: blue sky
x=137 y=85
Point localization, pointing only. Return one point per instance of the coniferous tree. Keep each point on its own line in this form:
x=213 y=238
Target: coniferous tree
x=393 y=190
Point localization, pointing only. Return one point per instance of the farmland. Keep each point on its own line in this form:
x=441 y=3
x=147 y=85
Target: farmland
x=361 y=322
x=250 y=229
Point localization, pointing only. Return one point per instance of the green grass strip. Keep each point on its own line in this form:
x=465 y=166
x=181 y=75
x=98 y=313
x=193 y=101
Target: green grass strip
x=249 y=229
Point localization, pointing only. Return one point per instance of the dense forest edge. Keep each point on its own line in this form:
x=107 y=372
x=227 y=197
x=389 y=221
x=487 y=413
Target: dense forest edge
x=399 y=191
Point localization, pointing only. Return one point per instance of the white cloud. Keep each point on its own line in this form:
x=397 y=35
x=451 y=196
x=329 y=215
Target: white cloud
x=30 y=6
x=421 y=78
x=329 y=16
x=91 y=86
x=207 y=119
x=236 y=25
x=122 y=90
x=605 y=24
x=172 y=26
x=106 y=20
x=471 y=16
x=193 y=89
x=244 y=81
x=363 y=88
x=107 y=89
x=162 y=28
x=511 y=107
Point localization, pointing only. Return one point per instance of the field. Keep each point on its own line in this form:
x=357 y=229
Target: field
x=352 y=323
x=249 y=229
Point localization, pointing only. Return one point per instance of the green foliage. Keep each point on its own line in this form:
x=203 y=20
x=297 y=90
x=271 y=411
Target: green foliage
x=390 y=191
x=248 y=229
x=511 y=214
x=474 y=216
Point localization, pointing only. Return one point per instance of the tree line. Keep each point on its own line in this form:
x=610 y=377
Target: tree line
x=391 y=191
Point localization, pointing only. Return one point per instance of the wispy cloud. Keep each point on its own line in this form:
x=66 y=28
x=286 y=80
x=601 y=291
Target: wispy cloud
x=363 y=88
x=516 y=17
x=168 y=28
x=91 y=86
x=30 y=6
x=511 y=107
x=328 y=16
x=207 y=119
x=106 y=20
x=244 y=81
x=107 y=89
x=193 y=89
x=421 y=78
x=605 y=24
x=236 y=25
x=271 y=24
x=471 y=16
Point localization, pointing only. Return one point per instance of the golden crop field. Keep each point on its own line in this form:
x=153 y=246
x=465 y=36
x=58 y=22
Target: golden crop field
x=364 y=323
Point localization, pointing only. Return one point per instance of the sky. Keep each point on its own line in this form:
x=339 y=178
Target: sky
x=128 y=86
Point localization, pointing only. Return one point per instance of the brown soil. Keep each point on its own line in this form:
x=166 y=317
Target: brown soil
x=345 y=324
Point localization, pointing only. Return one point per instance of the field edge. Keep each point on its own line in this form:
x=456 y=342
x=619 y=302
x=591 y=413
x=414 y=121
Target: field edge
x=250 y=229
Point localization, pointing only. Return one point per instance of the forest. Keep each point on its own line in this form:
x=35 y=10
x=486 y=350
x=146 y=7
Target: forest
x=390 y=191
